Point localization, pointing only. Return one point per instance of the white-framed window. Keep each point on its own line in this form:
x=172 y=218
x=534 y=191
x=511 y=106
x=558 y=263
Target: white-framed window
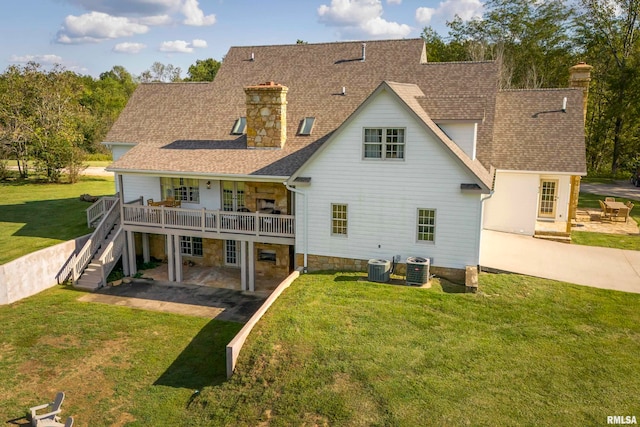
x=426 y=225
x=384 y=143
x=191 y=246
x=307 y=126
x=338 y=219
x=239 y=126
x=184 y=189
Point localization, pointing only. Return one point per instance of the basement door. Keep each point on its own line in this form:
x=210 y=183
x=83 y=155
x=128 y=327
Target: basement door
x=548 y=198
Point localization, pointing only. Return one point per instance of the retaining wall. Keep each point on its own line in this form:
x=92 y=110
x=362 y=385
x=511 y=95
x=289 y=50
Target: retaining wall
x=234 y=347
x=36 y=271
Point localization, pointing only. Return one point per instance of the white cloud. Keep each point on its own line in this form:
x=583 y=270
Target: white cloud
x=40 y=59
x=130 y=7
x=96 y=26
x=181 y=46
x=199 y=43
x=361 y=18
x=154 y=20
x=448 y=9
x=394 y=1
x=194 y=15
x=127 y=47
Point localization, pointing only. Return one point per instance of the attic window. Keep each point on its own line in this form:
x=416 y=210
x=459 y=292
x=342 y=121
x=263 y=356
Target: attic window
x=239 y=126
x=307 y=125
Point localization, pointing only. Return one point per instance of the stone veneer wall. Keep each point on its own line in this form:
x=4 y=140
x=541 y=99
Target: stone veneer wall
x=318 y=262
x=268 y=269
x=266 y=115
x=266 y=190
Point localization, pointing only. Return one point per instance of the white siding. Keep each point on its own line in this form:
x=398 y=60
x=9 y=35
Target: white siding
x=463 y=134
x=148 y=186
x=118 y=151
x=383 y=196
x=140 y=185
x=513 y=208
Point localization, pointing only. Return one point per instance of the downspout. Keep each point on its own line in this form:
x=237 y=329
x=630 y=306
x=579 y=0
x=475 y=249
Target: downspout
x=305 y=249
x=482 y=200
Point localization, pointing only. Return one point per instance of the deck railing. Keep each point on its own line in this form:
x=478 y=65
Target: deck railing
x=97 y=209
x=111 y=254
x=251 y=223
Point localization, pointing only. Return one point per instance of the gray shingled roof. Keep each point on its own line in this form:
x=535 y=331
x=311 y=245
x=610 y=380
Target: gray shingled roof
x=185 y=127
x=532 y=134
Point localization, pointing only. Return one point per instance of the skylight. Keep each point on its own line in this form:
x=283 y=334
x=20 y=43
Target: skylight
x=307 y=125
x=239 y=126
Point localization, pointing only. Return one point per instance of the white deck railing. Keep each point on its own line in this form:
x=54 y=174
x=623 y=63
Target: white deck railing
x=251 y=223
x=97 y=209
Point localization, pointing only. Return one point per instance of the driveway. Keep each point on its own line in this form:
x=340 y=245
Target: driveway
x=597 y=267
x=615 y=189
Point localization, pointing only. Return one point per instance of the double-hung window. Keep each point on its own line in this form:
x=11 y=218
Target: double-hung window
x=384 y=143
x=338 y=219
x=426 y=225
x=191 y=246
x=184 y=189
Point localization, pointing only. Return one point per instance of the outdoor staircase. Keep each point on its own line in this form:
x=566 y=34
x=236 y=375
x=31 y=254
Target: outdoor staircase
x=95 y=274
x=88 y=269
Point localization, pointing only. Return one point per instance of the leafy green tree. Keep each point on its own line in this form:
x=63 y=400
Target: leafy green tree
x=15 y=109
x=104 y=99
x=204 y=70
x=440 y=51
x=608 y=31
x=160 y=72
x=531 y=39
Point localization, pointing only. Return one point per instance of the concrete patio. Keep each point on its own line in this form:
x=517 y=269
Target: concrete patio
x=215 y=277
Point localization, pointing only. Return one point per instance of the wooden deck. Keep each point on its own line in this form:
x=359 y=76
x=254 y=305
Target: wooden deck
x=209 y=221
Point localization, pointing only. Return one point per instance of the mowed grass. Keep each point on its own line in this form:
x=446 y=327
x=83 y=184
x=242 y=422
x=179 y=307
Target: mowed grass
x=118 y=366
x=619 y=241
x=37 y=215
x=524 y=351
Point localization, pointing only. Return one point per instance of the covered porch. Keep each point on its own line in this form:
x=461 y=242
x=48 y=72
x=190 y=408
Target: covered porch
x=214 y=277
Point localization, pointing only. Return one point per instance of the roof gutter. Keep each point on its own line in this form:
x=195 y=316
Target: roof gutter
x=305 y=249
x=227 y=177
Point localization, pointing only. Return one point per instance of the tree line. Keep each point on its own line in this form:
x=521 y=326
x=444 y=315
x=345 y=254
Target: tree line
x=50 y=119
x=54 y=117
x=536 y=42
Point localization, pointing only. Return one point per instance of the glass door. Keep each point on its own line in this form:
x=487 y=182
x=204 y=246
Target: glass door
x=548 y=198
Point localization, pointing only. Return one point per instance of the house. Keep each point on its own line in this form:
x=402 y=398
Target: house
x=328 y=155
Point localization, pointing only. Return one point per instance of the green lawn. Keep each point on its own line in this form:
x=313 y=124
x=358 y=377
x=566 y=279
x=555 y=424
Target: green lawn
x=524 y=351
x=118 y=366
x=618 y=241
x=38 y=215
x=335 y=351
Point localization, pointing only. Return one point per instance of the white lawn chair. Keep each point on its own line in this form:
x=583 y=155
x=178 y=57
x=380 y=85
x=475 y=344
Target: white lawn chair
x=53 y=409
x=50 y=423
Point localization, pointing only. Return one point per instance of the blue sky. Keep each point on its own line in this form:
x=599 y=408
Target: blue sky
x=91 y=36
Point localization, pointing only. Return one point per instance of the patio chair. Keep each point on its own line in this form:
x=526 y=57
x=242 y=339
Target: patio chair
x=609 y=199
x=53 y=409
x=623 y=213
x=149 y=202
x=50 y=423
x=606 y=213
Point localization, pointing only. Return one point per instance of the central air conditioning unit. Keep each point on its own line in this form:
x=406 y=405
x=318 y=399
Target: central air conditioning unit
x=379 y=270
x=417 y=271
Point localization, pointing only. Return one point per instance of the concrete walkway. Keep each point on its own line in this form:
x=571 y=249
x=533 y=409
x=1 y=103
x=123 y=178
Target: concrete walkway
x=597 y=267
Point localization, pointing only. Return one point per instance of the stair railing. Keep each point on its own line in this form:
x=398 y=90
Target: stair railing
x=98 y=209
x=90 y=248
x=111 y=254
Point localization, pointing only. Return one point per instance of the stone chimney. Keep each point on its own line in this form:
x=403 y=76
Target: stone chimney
x=266 y=115
x=579 y=77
